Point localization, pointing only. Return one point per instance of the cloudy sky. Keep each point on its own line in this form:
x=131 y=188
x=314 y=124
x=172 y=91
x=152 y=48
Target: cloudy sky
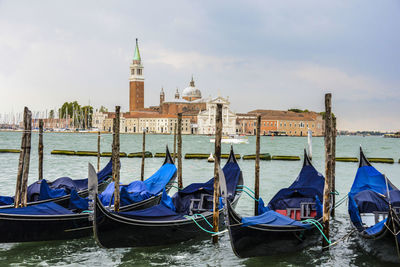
x=262 y=54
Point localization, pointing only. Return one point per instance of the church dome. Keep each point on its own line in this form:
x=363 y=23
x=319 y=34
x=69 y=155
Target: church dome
x=191 y=93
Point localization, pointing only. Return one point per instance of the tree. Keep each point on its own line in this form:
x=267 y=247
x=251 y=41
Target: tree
x=51 y=114
x=103 y=109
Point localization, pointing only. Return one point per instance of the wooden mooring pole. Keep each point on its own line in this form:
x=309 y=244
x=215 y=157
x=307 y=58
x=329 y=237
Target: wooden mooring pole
x=180 y=183
x=257 y=167
x=98 y=150
x=143 y=155
x=333 y=170
x=40 y=150
x=24 y=157
x=217 y=156
x=328 y=168
x=115 y=155
x=174 y=156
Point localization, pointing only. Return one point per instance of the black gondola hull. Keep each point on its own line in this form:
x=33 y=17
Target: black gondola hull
x=64 y=200
x=30 y=228
x=381 y=245
x=267 y=240
x=114 y=231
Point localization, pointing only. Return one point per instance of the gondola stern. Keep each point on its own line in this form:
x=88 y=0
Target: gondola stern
x=168 y=157
x=232 y=157
x=363 y=159
x=307 y=160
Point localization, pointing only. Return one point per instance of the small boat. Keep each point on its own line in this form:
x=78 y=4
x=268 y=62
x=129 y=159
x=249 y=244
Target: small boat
x=59 y=190
x=50 y=221
x=374 y=210
x=232 y=139
x=211 y=158
x=286 y=224
x=187 y=215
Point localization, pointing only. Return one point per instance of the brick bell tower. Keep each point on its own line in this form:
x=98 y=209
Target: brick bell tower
x=136 y=82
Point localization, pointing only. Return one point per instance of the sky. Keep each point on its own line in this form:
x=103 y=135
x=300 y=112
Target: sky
x=260 y=54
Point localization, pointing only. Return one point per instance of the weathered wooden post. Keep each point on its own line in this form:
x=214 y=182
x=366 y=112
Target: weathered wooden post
x=257 y=167
x=143 y=155
x=180 y=183
x=309 y=140
x=217 y=156
x=174 y=156
x=333 y=189
x=40 y=149
x=328 y=167
x=27 y=155
x=98 y=151
x=17 y=199
x=115 y=152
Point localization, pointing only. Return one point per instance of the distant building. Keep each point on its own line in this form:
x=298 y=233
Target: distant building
x=206 y=118
x=137 y=122
x=281 y=122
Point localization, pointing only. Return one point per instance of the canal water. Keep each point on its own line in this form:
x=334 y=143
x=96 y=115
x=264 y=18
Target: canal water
x=274 y=176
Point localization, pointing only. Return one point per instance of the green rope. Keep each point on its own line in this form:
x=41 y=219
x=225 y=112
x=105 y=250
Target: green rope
x=87 y=211
x=202 y=216
x=247 y=188
x=242 y=190
x=335 y=193
x=318 y=226
x=205 y=230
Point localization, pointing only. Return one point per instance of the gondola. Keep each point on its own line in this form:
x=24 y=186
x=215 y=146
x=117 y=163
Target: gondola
x=50 y=221
x=374 y=210
x=174 y=220
x=286 y=224
x=59 y=190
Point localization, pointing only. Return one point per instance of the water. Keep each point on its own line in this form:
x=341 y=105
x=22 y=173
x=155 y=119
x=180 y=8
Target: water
x=274 y=176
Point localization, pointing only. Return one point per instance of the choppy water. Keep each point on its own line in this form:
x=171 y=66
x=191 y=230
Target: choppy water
x=274 y=176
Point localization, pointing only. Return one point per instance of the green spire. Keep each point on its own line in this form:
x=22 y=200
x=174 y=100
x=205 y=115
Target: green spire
x=136 y=57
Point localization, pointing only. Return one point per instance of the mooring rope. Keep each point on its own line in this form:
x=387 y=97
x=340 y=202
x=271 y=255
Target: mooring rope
x=201 y=227
x=246 y=188
x=242 y=190
x=318 y=226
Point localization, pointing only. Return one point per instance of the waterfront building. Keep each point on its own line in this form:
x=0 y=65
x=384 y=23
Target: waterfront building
x=206 y=118
x=281 y=122
x=136 y=122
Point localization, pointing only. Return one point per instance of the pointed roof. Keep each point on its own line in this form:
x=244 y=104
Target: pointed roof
x=192 y=82
x=137 y=54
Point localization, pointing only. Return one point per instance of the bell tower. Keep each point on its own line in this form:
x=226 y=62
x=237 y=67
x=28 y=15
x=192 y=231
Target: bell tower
x=136 y=82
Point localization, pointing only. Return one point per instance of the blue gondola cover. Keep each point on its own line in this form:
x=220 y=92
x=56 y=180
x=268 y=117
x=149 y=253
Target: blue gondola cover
x=48 y=208
x=272 y=218
x=138 y=191
x=368 y=194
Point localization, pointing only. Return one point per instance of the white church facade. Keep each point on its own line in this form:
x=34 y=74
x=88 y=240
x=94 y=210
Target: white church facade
x=206 y=118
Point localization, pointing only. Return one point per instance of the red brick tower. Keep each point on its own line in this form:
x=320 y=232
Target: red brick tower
x=136 y=82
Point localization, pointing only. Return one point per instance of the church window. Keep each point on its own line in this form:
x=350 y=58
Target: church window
x=132 y=71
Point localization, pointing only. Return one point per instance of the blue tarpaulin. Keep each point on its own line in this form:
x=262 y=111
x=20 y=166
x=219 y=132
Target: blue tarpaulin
x=307 y=188
x=78 y=203
x=48 y=208
x=137 y=190
x=183 y=198
x=272 y=218
x=155 y=213
x=368 y=194
x=47 y=193
x=308 y=184
x=63 y=184
x=376 y=228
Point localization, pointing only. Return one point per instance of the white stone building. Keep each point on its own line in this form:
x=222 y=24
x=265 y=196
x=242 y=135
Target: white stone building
x=206 y=118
